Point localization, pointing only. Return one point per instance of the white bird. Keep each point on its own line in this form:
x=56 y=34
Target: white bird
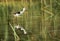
x=21 y=12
